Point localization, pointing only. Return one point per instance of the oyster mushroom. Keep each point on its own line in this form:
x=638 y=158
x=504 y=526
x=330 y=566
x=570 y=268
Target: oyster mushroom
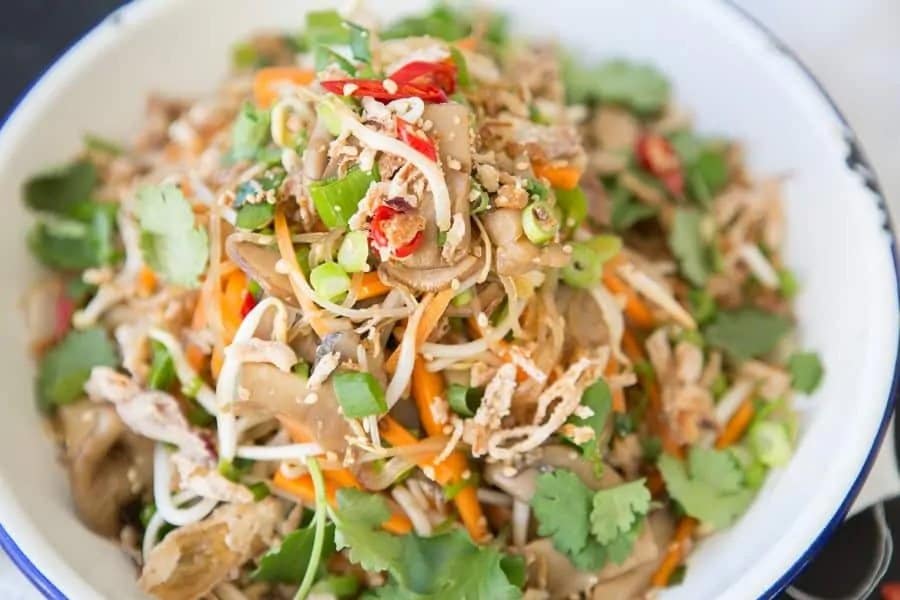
x=258 y=262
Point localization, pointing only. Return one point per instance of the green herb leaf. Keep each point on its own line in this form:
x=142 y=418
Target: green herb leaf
x=626 y=211
x=170 y=243
x=324 y=56
x=617 y=510
x=250 y=132
x=341 y=586
x=442 y=22
x=162 y=369
x=326 y=27
x=462 y=67
x=255 y=216
x=359 y=42
x=573 y=204
x=746 y=332
x=65 y=368
x=358 y=518
x=562 y=504
x=87 y=240
x=598 y=398
x=806 y=371
x=636 y=86
x=709 y=486
x=686 y=242
x=286 y=563
x=702 y=304
x=58 y=190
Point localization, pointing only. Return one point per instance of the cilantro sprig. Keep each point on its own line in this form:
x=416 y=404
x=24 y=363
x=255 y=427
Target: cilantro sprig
x=64 y=369
x=170 y=243
x=745 y=332
x=591 y=528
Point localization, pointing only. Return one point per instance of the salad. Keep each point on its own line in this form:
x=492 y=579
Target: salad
x=416 y=311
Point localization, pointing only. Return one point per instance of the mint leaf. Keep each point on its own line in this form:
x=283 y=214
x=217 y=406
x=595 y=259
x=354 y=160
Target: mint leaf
x=64 y=370
x=286 y=563
x=806 y=371
x=617 y=510
x=745 y=332
x=686 y=242
x=709 y=486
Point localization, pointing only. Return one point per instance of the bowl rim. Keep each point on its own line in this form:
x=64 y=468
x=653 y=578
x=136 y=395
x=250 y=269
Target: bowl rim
x=856 y=160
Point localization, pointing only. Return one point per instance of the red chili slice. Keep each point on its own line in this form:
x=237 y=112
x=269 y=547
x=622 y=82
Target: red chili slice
x=656 y=155
x=248 y=304
x=375 y=89
x=410 y=136
x=441 y=74
x=382 y=215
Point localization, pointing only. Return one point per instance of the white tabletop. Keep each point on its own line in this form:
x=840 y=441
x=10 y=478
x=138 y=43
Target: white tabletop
x=854 y=49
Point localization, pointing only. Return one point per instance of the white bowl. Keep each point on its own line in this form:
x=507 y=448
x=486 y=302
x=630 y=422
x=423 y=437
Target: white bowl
x=736 y=78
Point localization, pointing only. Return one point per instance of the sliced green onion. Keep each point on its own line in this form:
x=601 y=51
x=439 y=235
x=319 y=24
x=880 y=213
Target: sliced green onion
x=255 y=216
x=162 y=370
x=463 y=400
x=259 y=490
x=451 y=490
x=462 y=68
x=336 y=200
x=254 y=289
x=605 y=246
x=301 y=369
x=573 y=204
x=197 y=415
x=329 y=280
x=353 y=254
x=536 y=190
x=359 y=42
x=770 y=443
x=585 y=268
x=540 y=222
x=244 y=56
x=463 y=298
x=755 y=474
x=787 y=283
x=359 y=394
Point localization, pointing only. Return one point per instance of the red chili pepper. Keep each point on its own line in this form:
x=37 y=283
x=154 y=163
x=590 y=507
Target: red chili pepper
x=248 y=304
x=655 y=154
x=441 y=74
x=65 y=308
x=375 y=89
x=382 y=215
x=410 y=136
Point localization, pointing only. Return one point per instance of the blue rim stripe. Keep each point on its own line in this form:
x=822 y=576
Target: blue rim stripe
x=49 y=590
x=856 y=160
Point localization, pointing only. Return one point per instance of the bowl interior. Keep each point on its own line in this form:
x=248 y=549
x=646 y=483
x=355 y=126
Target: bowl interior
x=731 y=76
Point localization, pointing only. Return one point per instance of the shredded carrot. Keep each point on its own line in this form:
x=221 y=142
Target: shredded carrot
x=675 y=553
x=302 y=487
x=618 y=394
x=431 y=316
x=564 y=177
x=466 y=43
x=501 y=347
x=146 y=282
x=426 y=386
x=737 y=424
x=286 y=250
x=369 y=285
x=216 y=361
x=300 y=434
x=232 y=300
x=636 y=310
x=267 y=80
x=451 y=470
x=655 y=482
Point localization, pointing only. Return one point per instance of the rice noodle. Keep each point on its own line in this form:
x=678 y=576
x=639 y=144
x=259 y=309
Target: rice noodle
x=287 y=452
x=403 y=373
x=647 y=286
x=521 y=512
x=613 y=317
x=731 y=400
x=759 y=265
x=420 y=521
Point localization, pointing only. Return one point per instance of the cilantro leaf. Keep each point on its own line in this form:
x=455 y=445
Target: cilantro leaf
x=708 y=487
x=806 y=371
x=626 y=211
x=358 y=517
x=636 y=86
x=75 y=243
x=59 y=190
x=286 y=563
x=170 y=242
x=561 y=503
x=65 y=368
x=250 y=132
x=617 y=510
x=745 y=332
x=444 y=22
x=704 y=163
x=686 y=242
x=598 y=398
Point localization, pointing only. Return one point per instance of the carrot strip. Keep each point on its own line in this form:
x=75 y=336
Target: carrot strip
x=635 y=309
x=426 y=386
x=286 y=250
x=302 y=487
x=146 y=282
x=369 y=285
x=232 y=300
x=300 y=434
x=216 y=361
x=466 y=43
x=618 y=394
x=451 y=470
x=267 y=80
x=564 y=177
x=737 y=424
x=675 y=553
x=431 y=316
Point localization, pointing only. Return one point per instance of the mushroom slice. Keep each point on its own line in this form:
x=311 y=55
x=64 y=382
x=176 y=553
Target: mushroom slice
x=193 y=559
x=429 y=280
x=109 y=467
x=258 y=262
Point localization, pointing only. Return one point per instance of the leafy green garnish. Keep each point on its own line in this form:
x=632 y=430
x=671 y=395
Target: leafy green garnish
x=59 y=190
x=617 y=510
x=162 y=369
x=359 y=42
x=65 y=368
x=709 y=485
x=637 y=86
x=787 y=283
x=702 y=304
x=462 y=67
x=446 y=23
x=746 y=332
x=74 y=243
x=626 y=211
x=170 y=242
x=286 y=563
x=561 y=504
x=326 y=27
x=806 y=371
x=704 y=164
x=341 y=586
x=324 y=56
x=598 y=398
x=445 y=566
x=250 y=132
x=95 y=143
x=255 y=216
x=686 y=242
